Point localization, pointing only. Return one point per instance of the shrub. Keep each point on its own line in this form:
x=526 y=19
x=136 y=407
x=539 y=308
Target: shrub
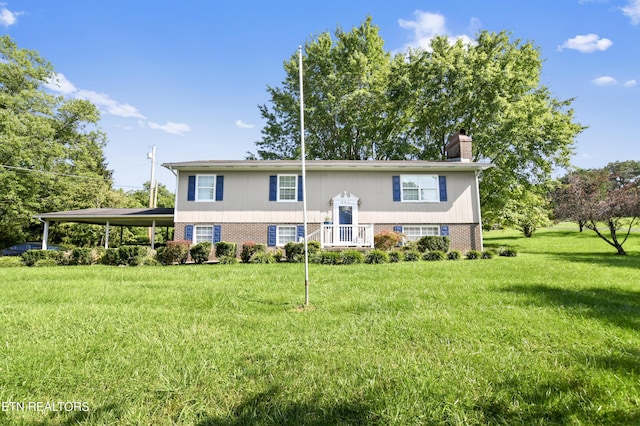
x=396 y=256
x=81 y=256
x=46 y=262
x=473 y=254
x=507 y=252
x=133 y=255
x=110 y=257
x=487 y=254
x=149 y=261
x=294 y=251
x=386 y=240
x=454 y=255
x=351 y=257
x=409 y=245
x=432 y=242
x=174 y=252
x=434 y=255
x=326 y=257
x=11 y=261
x=249 y=249
x=411 y=255
x=30 y=257
x=200 y=252
x=262 y=257
x=376 y=256
x=228 y=260
x=224 y=248
x=278 y=254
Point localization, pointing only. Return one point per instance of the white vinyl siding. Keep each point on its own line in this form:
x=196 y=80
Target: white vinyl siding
x=416 y=188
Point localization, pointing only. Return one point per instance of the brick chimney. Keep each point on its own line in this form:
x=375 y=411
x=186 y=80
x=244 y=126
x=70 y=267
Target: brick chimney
x=459 y=147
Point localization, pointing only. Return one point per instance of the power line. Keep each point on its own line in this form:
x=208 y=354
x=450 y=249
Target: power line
x=24 y=169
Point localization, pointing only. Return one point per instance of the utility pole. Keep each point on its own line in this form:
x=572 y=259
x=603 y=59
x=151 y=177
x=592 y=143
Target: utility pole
x=152 y=186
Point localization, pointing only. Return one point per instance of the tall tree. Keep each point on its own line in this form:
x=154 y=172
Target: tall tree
x=601 y=198
x=51 y=154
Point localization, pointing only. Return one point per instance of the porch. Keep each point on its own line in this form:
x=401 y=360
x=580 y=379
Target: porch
x=346 y=235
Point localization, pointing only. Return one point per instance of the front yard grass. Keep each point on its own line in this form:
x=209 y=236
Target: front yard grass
x=548 y=337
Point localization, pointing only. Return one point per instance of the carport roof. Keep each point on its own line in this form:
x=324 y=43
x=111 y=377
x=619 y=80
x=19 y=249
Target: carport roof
x=118 y=217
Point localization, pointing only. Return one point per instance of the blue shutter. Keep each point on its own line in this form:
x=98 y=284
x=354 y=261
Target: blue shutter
x=271 y=236
x=444 y=230
x=397 y=228
x=300 y=188
x=300 y=233
x=191 y=189
x=188 y=232
x=443 y=187
x=396 y=187
x=219 y=187
x=273 y=188
x=217 y=232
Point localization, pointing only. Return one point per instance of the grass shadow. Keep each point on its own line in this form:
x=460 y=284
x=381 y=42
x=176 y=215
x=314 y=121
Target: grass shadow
x=615 y=306
x=269 y=408
x=600 y=259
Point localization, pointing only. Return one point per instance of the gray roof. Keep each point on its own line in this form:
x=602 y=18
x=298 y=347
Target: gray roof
x=125 y=217
x=327 y=165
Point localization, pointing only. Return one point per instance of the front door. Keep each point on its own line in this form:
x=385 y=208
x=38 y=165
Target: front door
x=345 y=220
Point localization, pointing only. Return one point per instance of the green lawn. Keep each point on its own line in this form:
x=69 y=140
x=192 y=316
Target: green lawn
x=549 y=337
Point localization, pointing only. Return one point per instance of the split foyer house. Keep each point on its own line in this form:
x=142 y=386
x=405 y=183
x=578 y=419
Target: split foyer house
x=348 y=202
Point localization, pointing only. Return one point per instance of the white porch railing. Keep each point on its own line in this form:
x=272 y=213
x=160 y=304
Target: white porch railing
x=343 y=235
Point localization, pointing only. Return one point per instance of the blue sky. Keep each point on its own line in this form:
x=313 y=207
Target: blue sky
x=187 y=76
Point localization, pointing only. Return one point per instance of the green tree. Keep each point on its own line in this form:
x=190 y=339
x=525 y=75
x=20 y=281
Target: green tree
x=527 y=210
x=165 y=198
x=51 y=154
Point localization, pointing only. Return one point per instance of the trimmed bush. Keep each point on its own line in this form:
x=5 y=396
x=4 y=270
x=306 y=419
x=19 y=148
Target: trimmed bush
x=200 y=252
x=454 y=255
x=386 y=240
x=507 y=252
x=46 y=263
x=133 y=255
x=224 y=248
x=249 y=249
x=11 y=261
x=487 y=254
x=411 y=256
x=81 y=256
x=434 y=255
x=376 y=256
x=326 y=257
x=262 y=257
x=30 y=257
x=396 y=256
x=294 y=252
x=351 y=257
x=278 y=254
x=110 y=257
x=174 y=252
x=473 y=254
x=228 y=260
x=432 y=243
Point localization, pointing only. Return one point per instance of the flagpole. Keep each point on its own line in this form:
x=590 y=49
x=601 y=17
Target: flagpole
x=304 y=185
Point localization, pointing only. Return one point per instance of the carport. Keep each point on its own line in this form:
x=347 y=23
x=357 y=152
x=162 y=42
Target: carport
x=142 y=217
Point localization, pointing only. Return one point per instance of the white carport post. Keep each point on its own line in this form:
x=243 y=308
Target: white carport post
x=106 y=236
x=45 y=235
x=153 y=234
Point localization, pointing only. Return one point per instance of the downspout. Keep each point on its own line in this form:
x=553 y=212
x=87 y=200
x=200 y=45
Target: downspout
x=477 y=172
x=45 y=233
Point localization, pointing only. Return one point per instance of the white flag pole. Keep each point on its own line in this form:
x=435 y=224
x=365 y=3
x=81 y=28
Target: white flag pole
x=304 y=185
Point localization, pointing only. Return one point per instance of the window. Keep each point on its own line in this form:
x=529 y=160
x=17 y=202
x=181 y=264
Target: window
x=203 y=233
x=205 y=188
x=286 y=234
x=416 y=232
x=419 y=188
x=287 y=187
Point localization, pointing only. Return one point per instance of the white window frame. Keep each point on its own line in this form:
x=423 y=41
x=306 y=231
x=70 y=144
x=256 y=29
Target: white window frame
x=295 y=189
x=416 y=179
x=280 y=241
x=212 y=188
x=423 y=231
x=198 y=233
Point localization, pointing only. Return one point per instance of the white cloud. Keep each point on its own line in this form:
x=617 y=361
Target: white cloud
x=112 y=106
x=587 y=43
x=429 y=25
x=7 y=17
x=604 y=81
x=170 y=127
x=632 y=10
x=630 y=83
x=59 y=83
x=243 y=125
